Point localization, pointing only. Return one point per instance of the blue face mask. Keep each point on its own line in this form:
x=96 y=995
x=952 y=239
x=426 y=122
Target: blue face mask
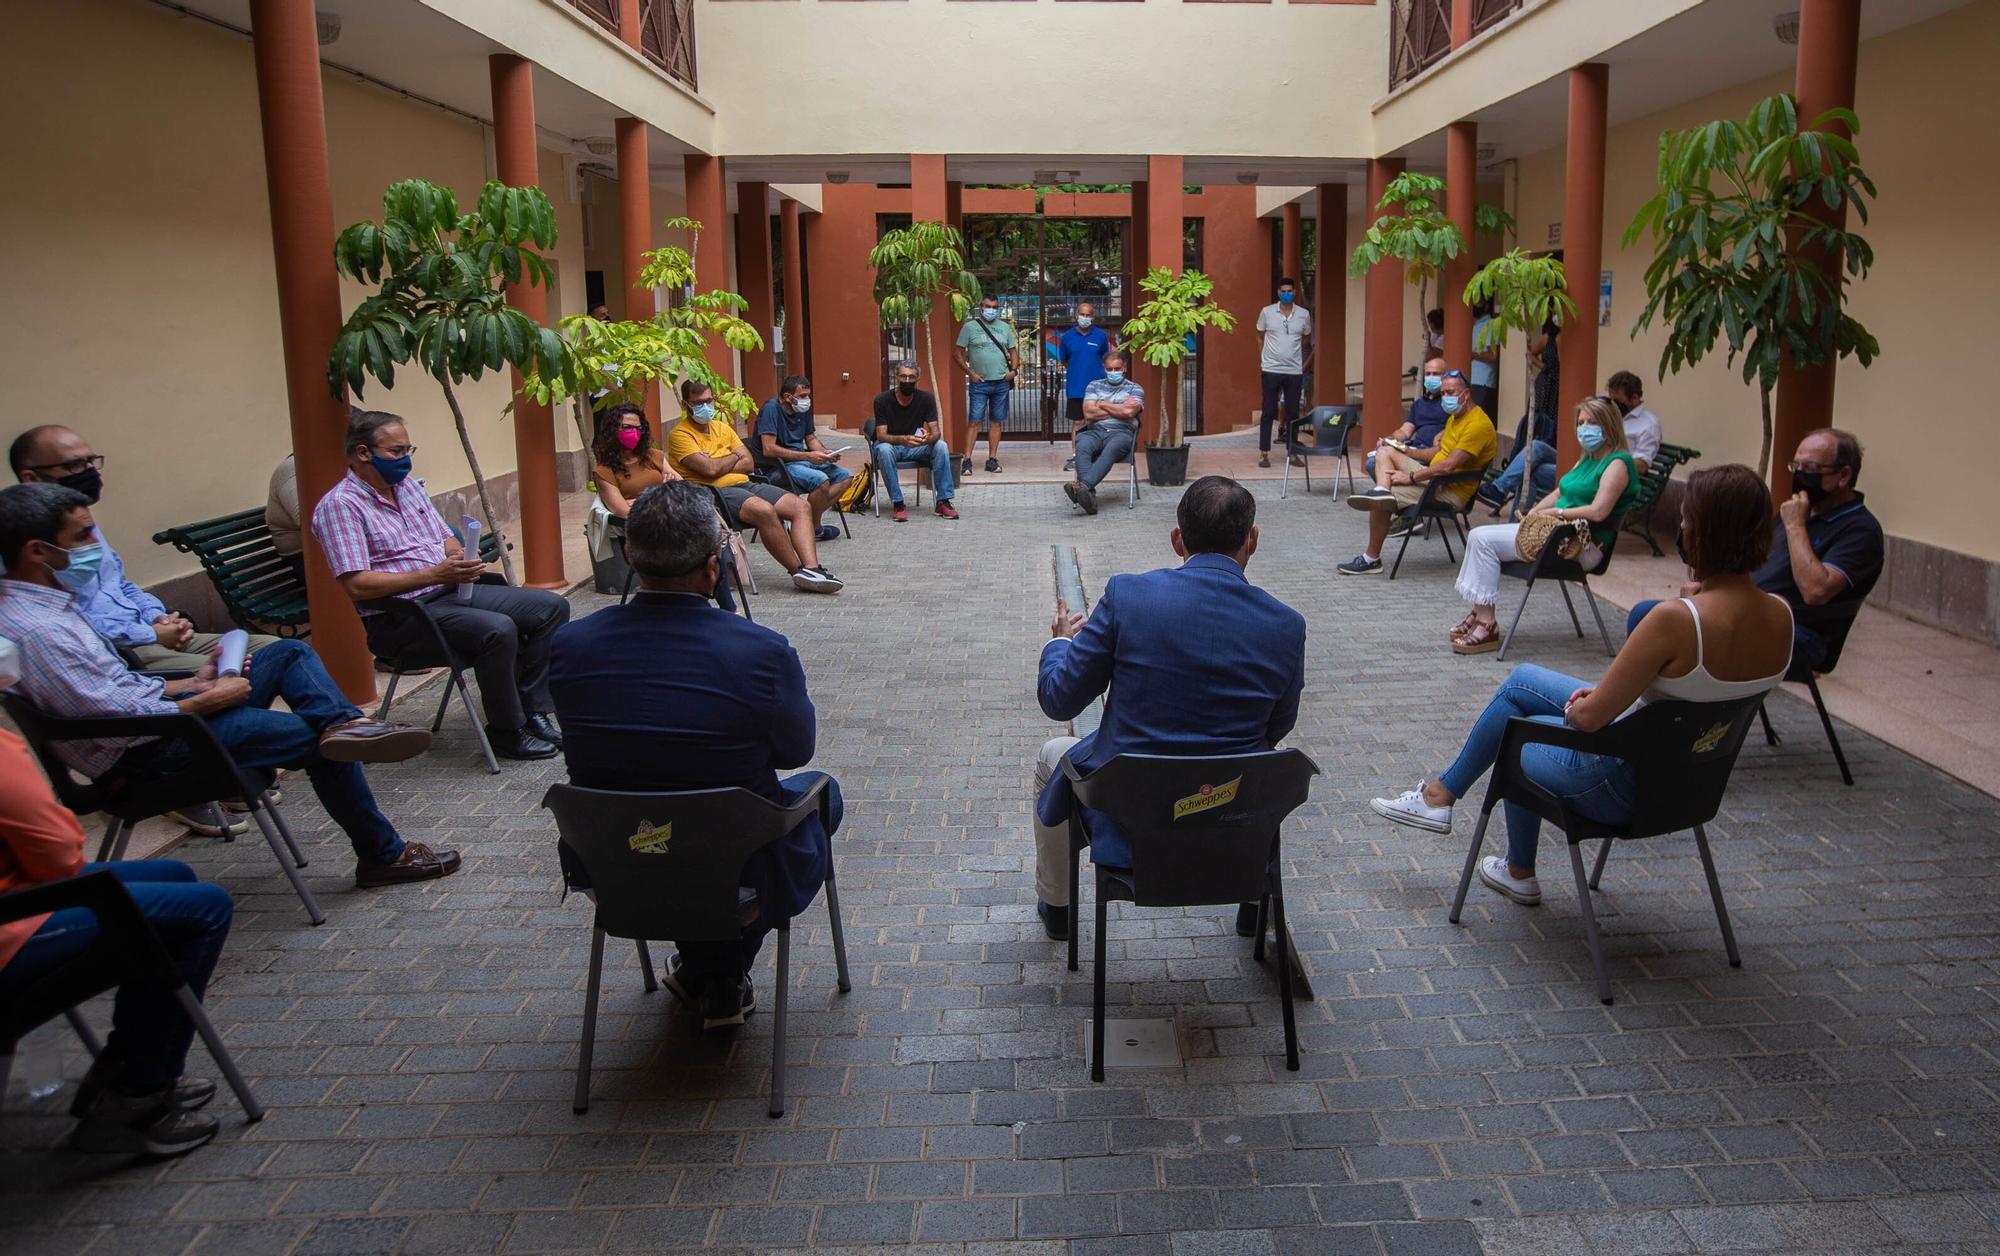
x=802 y=405
x=1114 y=377
x=1433 y=382
x=392 y=470
x=1286 y=298
x=81 y=573
x=1590 y=436
x=1452 y=403
x=703 y=411
x=989 y=312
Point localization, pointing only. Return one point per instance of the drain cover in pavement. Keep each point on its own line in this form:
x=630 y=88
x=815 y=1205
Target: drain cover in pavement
x=1137 y=1043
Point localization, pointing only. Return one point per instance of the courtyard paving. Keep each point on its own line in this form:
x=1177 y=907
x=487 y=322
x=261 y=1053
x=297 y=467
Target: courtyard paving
x=1462 y=1089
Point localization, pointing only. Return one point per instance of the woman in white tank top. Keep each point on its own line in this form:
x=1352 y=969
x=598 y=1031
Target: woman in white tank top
x=1728 y=641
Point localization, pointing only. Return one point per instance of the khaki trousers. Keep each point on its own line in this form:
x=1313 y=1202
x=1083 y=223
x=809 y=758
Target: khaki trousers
x=1052 y=857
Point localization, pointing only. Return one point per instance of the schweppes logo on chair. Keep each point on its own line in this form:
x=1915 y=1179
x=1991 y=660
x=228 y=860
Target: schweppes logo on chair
x=649 y=840
x=1210 y=797
x=1710 y=739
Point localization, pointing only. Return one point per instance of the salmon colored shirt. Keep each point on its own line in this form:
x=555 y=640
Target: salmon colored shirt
x=40 y=839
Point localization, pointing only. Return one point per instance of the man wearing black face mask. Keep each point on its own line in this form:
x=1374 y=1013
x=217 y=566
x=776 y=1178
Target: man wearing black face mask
x=905 y=432
x=122 y=613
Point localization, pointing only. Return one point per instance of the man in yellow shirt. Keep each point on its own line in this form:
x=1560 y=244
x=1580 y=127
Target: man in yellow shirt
x=709 y=452
x=1467 y=444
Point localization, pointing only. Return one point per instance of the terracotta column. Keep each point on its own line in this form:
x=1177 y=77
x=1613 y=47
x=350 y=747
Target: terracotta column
x=1330 y=290
x=1293 y=247
x=753 y=280
x=1140 y=245
x=286 y=47
x=1461 y=22
x=1461 y=174
x=518 y=159
x=635 y=227
x=951 y=377
x=708 y=204
x=796 y=358
x=1829 y=35
x=1165 y=246
x=1583 y=246
x=930 y=201
x=1382 y=331
x=628 y=22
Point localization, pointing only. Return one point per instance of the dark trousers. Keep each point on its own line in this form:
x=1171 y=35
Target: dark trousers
x=1487 y=398
x=258 y=737
x=505 y=632
x=1276 y=386
x=149 y=1032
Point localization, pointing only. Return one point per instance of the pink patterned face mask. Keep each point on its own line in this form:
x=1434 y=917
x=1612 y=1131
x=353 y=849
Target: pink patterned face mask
x=630 y=437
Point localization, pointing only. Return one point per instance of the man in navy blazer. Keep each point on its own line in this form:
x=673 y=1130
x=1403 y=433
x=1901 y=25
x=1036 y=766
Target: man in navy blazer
x=1196 y=661
x=669 y=692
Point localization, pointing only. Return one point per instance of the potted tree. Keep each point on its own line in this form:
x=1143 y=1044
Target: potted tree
x=1526 y=292
x=1160 y=333
x=1741 y=252
x=441 y=297
x=1413 y=229
x=914 y=267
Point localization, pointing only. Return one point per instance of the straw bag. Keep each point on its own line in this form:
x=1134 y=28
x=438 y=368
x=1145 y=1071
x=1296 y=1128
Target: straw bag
x=1571 y=537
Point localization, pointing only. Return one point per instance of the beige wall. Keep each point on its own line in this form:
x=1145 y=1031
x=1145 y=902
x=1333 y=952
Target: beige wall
x=142 y=274
x=1926 y=300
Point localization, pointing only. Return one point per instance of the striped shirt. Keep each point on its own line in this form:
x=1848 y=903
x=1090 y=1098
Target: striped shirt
x=361 y=530
x=1118 y=394
x=67 y=670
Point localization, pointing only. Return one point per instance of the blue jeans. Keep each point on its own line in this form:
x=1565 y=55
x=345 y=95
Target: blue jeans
x=259 y=737
x=1509 y=480
x=934 y=455
x=1594 y=785
x=988 y=403
x=149 y=1032
x=1100 y=447
x=807 y=477
x=1808 y=647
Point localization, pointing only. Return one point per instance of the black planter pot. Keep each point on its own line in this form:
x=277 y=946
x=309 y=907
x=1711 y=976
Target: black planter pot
x=1166 y=465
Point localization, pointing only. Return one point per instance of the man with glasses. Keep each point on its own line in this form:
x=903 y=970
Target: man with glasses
x=131 y=619
x=1467 y=444
x=907 y=433
x=383 y=538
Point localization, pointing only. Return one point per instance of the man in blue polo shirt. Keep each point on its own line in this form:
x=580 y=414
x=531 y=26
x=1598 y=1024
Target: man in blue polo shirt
x=1081 y=352
x=784 y=434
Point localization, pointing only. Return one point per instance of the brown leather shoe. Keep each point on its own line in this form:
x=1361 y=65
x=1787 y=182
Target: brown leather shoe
x=419 y=863
x=371 y=741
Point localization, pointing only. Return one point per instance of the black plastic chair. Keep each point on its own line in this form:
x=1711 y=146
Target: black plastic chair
x=1836 y=637
x=1331 y=427
x=212 y=773
x=923 y=471
x=430 y=650
x=778 y=472
x=666 y=867
x=1682 y=754
x=1437 y=504
x=727 y=577
x=1565 y=572
x=1203 y=830
x=126 y=950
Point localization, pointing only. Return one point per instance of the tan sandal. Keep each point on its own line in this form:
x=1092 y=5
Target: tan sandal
x=1482 y=638
x=1464 y=625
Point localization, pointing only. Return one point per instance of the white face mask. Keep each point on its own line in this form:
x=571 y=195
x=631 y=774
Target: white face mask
x=989 y=312
x=10 y=664
x=1083 y=321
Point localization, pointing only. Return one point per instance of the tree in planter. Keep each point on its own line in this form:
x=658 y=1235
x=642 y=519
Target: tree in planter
x=1419 y=236
x=670 y=347
x=915 y=266
x=441 y=298
x=1177 y=307
x=1526 y=292
x=1739 y=251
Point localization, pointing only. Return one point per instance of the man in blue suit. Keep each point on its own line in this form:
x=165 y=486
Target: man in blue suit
x=669 y=692
x=1196 y=661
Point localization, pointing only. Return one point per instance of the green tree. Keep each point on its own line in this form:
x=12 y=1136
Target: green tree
x=1526 y=292
x=441 y=300
x=1741 y=253
x=1412 y=228
x=1177 y=308
x=914 y=267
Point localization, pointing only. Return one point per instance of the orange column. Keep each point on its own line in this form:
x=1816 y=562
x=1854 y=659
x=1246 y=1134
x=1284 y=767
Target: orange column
x=518 y=160
x=1382 y=331
x=1165 y=246
x=1829 y=34
x=1330 y=290
x=286 y=47
x=1461 y=174
x=635 y=226
x=1294 y=247
x=951 y=376
x=753 y=280
x=1583 y=247
x=795 y=288
x=628 y=22
x=708 y=204
x=1461 y=22
x=1140 y=246
x=930 y=201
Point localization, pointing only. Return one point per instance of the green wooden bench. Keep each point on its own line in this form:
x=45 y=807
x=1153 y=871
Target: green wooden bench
x=263 y=590
x=1639 y=515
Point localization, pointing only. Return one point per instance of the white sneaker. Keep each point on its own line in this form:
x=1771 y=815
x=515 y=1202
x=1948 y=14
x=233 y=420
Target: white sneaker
x=813 y=580
x=1376 y=498
x=1411 y=809
x=1493 y=871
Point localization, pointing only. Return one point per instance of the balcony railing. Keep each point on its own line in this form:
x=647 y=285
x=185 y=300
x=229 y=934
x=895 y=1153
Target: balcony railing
x=666 y=31
x=1419 y=37
x=1490 y=13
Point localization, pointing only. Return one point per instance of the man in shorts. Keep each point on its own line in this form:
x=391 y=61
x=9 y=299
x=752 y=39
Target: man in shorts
x=701 y=449
x=785 y=434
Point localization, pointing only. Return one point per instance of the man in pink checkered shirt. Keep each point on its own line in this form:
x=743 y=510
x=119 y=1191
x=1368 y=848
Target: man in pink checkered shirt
x=384 y=539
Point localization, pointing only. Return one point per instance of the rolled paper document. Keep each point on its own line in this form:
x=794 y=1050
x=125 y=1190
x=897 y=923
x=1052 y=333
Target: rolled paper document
x=229 y=652
x=469 y=536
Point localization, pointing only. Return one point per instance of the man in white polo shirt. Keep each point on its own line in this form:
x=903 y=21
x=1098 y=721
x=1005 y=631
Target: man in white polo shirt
x=1287 y=328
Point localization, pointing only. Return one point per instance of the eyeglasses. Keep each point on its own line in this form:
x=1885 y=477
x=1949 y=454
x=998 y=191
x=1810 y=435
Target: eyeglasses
x=1454 y=375
x=401 y=452
x=1810 y=468
x=73 y=466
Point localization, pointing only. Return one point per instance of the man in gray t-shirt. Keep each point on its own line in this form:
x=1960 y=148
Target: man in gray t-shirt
x=1287 y=329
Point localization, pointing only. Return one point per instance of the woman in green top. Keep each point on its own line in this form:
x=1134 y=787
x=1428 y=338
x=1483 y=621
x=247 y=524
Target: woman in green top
x=1598 y=487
